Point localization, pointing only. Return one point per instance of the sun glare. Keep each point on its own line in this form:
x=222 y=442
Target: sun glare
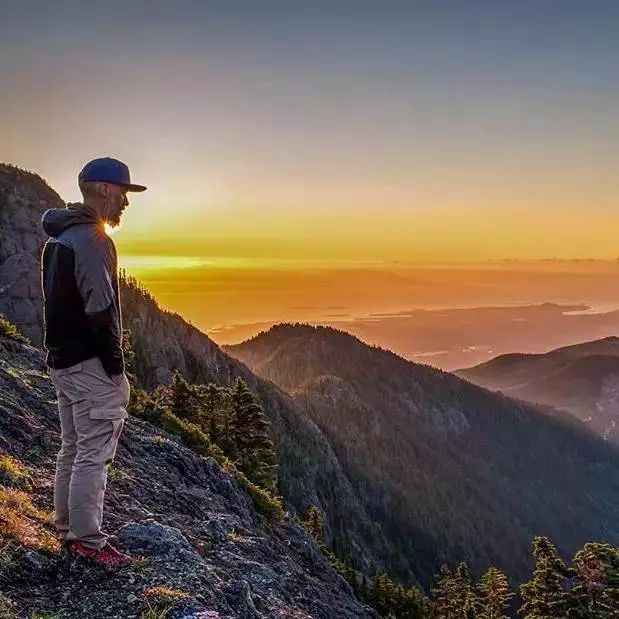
x=111 y=230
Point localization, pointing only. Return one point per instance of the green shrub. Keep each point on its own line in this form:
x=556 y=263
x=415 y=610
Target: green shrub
x=8 y=329
x=198 y=441
x=266 y=503
x=13 y=473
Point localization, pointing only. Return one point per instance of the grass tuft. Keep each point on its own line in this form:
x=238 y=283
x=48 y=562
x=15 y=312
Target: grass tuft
x=13 y=473
x=23 y=522
x=162 y=594
x=156 y=613
x=139 y=564
x=161 y=600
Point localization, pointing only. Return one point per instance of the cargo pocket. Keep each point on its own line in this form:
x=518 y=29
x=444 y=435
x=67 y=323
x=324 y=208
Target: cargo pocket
x=110 y=403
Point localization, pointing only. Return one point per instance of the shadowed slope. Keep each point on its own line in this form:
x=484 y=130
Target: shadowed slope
x=445 y=467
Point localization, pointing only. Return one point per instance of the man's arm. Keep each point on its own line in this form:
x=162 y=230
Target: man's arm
x=94 y=282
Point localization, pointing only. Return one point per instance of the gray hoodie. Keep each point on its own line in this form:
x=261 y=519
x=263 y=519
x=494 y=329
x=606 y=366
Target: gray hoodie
x=80 y=289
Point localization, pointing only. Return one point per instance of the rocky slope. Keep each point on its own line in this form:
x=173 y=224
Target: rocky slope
x=582 y=379
x=445 y=467
x=309 y=471
x=207 y=551
x=23 y=197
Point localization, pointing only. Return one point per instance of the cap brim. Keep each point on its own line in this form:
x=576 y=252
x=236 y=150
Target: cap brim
x=135 y=187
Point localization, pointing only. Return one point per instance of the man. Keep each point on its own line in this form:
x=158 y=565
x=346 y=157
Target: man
x=83 y=338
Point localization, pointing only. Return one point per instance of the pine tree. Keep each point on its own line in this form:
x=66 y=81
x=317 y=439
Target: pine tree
x=595 y=586
x=224 y=431
x=313 y=525
x=494 y=595
x=416 y=605
x=544 y=595
x=389 y=591
x=454 y=597
x=248 y=428
x=139 y=400
x=350 y=575
x=398 y=599
x=443 y=596
x=129 y=357
x=376 y=593
x=183 y=398
x=465 y=592
x=212 y=398
x=363 y=588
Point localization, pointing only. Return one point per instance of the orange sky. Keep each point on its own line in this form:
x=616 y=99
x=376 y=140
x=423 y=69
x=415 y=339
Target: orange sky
x=442 y=234
x=304 y=156
x=232 y=300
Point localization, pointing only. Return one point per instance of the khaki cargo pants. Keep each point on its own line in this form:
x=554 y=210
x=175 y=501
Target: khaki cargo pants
x=92 y=411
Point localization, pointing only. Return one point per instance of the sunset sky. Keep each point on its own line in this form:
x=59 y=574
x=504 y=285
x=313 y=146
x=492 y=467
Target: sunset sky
x=310 y=154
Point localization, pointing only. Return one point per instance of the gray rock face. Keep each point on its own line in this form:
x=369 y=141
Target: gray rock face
x=197 y=531
x=23 y=198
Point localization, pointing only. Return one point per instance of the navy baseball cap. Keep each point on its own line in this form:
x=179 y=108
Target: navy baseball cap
x=108 y=170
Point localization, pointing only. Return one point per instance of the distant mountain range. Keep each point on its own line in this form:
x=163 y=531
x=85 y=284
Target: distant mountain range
x=582 y=379
x=447 y=468
x=411 y=466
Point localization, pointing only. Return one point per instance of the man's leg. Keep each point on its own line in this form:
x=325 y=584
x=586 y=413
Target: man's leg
x=64 y=464
x=96 y=447
x=99 y=409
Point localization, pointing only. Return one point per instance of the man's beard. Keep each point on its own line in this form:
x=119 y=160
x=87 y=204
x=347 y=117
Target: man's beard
x=114 y=221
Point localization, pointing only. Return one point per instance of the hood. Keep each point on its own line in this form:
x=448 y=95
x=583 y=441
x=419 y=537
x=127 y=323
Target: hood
x=56 y=220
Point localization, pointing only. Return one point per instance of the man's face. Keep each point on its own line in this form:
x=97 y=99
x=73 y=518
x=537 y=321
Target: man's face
x=116 y=202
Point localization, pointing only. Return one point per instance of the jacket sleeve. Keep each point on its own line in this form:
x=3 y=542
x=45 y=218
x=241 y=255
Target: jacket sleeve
x=94 y=282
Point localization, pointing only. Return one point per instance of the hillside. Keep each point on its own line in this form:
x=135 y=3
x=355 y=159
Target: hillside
x=445 y=467
x=309 y=471
x=582 y=379
x=199 y=533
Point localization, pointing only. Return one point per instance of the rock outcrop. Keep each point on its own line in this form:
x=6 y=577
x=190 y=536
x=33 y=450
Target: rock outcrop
x=23 y=198
x=206 y=551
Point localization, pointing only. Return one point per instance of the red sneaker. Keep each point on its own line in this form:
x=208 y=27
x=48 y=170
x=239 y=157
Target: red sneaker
x=108 y=557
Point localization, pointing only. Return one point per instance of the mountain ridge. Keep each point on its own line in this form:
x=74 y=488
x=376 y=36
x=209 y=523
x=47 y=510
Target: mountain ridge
x=438 y=439
x=582 y=379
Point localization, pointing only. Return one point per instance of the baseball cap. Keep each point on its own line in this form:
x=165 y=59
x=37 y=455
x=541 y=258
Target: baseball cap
x=108 y=170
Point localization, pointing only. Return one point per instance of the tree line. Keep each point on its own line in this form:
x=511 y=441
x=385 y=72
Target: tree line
x=586 y=589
